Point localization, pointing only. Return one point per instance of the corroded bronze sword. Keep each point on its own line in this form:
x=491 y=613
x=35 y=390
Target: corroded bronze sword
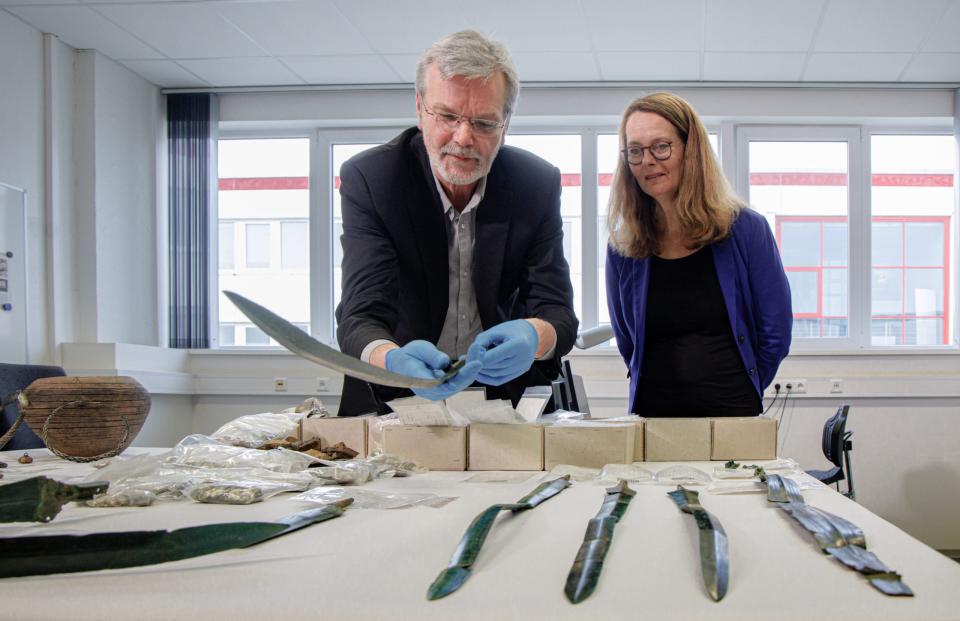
x=585 y=573
x=714 y=554
x=461 y=564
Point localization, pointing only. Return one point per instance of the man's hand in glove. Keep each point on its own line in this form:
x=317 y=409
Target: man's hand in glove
x=506 y=351
x=424 y=360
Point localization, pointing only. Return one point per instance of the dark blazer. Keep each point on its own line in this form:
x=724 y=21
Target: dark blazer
x=395 y=267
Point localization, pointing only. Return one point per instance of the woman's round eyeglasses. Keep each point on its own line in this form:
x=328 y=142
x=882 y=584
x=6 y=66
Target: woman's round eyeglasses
x=660 y=151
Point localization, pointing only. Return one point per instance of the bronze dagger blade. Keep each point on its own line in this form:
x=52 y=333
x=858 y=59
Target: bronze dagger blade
x=305 y=346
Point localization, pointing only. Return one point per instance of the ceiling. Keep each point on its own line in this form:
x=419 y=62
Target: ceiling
x=265 y=43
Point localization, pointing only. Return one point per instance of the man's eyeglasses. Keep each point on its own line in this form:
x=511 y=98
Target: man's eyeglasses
x=660 y=151
x=451 y=122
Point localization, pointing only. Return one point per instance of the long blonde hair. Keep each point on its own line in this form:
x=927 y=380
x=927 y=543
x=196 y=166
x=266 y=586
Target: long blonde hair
x=705 y=203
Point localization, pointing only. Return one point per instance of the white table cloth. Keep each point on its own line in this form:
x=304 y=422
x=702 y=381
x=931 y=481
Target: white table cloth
x=377 y=564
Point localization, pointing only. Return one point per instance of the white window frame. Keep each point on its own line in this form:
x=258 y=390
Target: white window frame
x=858 y=218
x=953 y=300
x=321 y=220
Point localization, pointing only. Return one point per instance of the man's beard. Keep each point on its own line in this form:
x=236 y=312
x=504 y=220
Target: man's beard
x=454 y=176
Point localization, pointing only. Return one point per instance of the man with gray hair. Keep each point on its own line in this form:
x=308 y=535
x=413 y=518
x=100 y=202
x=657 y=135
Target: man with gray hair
x=453 y=243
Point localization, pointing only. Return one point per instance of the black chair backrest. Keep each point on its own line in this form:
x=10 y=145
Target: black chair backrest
x=14 y=377
x=833 y=431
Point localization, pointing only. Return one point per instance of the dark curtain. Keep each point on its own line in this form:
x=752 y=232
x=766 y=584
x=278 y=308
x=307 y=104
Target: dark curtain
x=192 y=140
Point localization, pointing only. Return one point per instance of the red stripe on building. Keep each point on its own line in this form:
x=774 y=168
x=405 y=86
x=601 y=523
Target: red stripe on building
x=840 y=179
x=932 y=181
x=605 y=179
x=264 y=183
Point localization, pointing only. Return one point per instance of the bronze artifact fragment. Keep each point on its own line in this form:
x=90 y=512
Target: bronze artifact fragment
x=58 y=554
x=223 y=494
x=305 y=346
x=461 y=564
x=836 y=536
x=40 y=499
x=714 y=553
x=583 y=576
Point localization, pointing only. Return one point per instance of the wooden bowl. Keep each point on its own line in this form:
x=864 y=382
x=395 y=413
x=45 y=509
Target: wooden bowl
x=88 y=413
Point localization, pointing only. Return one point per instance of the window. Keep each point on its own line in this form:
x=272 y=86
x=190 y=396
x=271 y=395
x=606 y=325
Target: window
x=864 y=220
x=341 y=153
x=563 y=151
x=912 y=202
x=894 y=291
x=294 y=245
x=263 y=225
x=799 y=179
x=225 y=244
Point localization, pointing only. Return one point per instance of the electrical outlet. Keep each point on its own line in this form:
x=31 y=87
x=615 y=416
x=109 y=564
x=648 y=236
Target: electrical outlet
x=796 y=386
x=280 y=384
x=321 y=384
x=836 y=386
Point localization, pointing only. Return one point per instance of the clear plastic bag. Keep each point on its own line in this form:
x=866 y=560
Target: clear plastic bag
x=204 y=452
x=576 y=473
x=559 y=417
x=123 y=498
x=681 y=474
x=212 y=492
x=373 y=499
x=612 y=473
x=755 y=486
x=747 y=469
x=310 y=408
x=347 y=472
x=254 y=430
x=400 y=466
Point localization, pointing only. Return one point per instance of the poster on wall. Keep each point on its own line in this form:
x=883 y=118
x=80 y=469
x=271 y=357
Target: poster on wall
x=13 y=275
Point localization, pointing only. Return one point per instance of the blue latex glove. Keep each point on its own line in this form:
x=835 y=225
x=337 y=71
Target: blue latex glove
x=506 y=351
x=422 y=359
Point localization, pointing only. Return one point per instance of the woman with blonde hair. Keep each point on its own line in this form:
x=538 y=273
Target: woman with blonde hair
x=698 y=299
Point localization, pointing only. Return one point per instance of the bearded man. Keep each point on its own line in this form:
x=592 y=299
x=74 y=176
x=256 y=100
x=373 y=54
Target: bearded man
x=453 y=242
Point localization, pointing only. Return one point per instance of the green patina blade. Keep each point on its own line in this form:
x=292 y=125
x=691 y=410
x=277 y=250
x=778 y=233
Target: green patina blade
x=585 y=572
x=40 y=499
x=458 y=570
x=714 y=552
x=449 y=580
x=57 y=554
x=305 y=346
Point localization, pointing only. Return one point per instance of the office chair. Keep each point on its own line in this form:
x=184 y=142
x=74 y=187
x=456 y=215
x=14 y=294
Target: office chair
x=836 y=448
x=13 y=379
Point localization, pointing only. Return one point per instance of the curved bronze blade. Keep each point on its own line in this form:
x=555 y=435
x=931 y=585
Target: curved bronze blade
x=461 y=563
x=714 y=553
x=58 y=554
x=305 y=346
x=585 y=572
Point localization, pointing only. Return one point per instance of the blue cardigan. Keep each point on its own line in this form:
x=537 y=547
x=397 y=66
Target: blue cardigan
x=755 y=292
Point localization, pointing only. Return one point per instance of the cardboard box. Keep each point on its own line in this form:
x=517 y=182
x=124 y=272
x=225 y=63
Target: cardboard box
x=589 y=446
x=351 y=430
x=436 y=448
x=753 y=437
x=505 y=447
x=677 y=439
x=638 y=444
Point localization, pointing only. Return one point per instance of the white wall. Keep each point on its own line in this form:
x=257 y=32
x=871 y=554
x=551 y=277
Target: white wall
x=79 y=132
x=21 y=157
x=125 y=116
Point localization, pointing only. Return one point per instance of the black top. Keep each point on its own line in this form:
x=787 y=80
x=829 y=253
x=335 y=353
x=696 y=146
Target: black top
x=691 y=365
